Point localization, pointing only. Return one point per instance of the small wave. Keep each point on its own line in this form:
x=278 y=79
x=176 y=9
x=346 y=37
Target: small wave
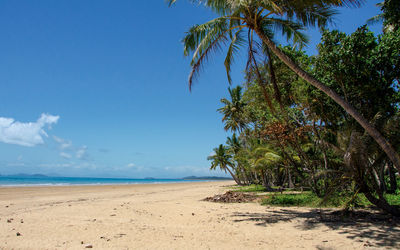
x=34 y=184
x=88 y=182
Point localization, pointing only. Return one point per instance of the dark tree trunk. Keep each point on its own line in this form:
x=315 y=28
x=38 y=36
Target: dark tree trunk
x=382 y=204
x=290 y=182
x=383 y=186
x=234 y=176
x=243 y=171
x=266 y=181
x=392 y=178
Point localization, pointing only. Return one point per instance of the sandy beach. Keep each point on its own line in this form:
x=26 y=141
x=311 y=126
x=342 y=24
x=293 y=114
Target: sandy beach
x=169 y=216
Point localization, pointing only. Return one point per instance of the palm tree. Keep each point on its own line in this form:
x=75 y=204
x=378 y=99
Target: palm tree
x=233 y=110
x=390 y=16
x=238 y=18
x=264 y=159
x=234 y=143
x=235 y=147
x=222 y=159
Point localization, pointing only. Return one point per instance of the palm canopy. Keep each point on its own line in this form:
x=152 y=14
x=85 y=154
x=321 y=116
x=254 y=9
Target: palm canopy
x=234 y=144
x=233 y=110
x=264 y=156
x=240 y=18
x=265 y=17
x=220 y=158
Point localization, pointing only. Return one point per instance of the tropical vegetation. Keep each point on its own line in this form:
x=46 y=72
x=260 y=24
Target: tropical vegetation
x=330 y=122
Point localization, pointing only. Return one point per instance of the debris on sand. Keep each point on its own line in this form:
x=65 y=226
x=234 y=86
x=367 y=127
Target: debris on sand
x=232 y=197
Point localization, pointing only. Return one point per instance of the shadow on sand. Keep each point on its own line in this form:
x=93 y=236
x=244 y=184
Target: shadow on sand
x=363 y=226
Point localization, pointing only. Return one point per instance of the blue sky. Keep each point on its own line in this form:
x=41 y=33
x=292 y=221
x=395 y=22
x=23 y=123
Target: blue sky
x=99 y=88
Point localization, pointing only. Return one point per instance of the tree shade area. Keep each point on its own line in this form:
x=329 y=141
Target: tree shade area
x=329 y=123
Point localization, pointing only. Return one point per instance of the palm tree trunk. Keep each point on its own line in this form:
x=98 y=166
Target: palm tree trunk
x=392 y=177
x=371 y=130
x=382 y=204
x=234 y=176
x=289 y=176
x=246 y=180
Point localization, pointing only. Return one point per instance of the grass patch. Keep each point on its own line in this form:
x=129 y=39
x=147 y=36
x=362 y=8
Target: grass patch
x=393 y=199
x=251 y=188
x=308 y=199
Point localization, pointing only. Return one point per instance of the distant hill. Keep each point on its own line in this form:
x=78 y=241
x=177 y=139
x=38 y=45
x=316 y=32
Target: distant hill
x=206 y=178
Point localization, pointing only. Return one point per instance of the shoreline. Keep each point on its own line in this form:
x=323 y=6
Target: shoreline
x=33 y=180
x=106 y=184
x=165 y=216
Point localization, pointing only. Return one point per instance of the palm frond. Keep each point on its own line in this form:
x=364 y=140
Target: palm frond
x=375 y=19
x=204 y=40
x=236 y=41
x=310 y=14
x=291 y=30
x=199 y=36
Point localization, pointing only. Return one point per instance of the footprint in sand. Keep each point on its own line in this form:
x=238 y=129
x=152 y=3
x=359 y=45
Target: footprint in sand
x=105 y=238
x=119 y=235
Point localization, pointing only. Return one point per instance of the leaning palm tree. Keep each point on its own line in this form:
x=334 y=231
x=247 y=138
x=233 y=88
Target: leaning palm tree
x=235 y=146
x=241 y=21
x=222 y=159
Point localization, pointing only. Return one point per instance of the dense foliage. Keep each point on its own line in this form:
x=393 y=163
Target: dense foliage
x=306 y=140
x=321 y=123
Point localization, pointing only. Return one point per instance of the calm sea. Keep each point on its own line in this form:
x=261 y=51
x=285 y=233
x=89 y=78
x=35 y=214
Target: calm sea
x=66 y=181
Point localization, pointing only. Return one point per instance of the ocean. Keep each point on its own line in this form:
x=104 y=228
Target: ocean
x=14 y=181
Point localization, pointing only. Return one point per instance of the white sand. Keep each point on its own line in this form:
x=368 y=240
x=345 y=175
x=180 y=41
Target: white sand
x=168 y=216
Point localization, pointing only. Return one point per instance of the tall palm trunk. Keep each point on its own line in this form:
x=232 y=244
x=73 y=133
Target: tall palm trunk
x=234 y=176
x=371 y=130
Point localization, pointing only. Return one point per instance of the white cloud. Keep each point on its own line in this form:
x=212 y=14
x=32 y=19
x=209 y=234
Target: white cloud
x=86 y=166
x=81 y=153
x=65 y=155
x=68 y=150
x=130 y=165
x=64 y=144
x=56 y=165
x=25 y=134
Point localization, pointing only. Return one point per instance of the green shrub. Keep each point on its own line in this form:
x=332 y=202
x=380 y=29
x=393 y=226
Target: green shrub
x=304 y=199
x=308 y=199
x=251 y=188
x=393 y=199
